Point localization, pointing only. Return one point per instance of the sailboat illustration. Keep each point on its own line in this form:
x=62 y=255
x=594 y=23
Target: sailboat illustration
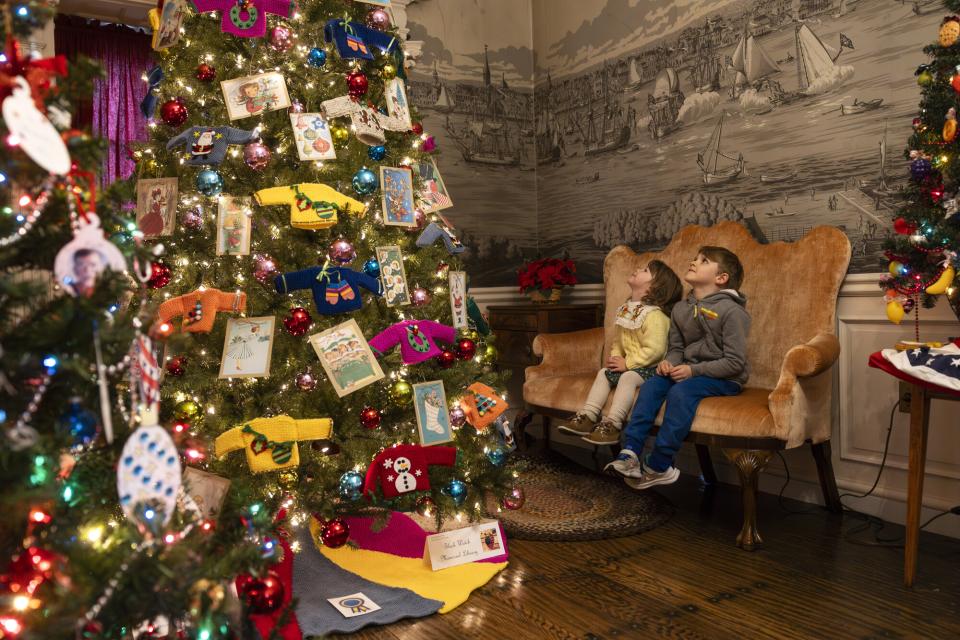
x=813 y=60
x=634 y=79
x=664 y=104
x=715 y=170
x=487 y=138
x=752 y=64
x=614 y=130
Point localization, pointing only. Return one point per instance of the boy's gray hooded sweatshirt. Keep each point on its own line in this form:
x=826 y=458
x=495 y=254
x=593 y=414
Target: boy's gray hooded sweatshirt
x=710 y=335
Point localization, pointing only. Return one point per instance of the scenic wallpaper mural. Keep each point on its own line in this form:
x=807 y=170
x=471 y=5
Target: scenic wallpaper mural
x=648 y=115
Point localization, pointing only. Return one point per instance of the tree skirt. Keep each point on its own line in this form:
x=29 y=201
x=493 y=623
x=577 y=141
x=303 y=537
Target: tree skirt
x=566 y=502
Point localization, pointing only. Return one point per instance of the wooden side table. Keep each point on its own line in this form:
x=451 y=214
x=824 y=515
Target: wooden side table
x=515 y=327
x=919 y=422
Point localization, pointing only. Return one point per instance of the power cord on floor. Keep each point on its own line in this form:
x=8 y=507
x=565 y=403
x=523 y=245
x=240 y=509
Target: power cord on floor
x=869 y=521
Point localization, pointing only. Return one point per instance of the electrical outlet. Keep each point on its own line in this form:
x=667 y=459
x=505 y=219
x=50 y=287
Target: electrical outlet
x=905 y=389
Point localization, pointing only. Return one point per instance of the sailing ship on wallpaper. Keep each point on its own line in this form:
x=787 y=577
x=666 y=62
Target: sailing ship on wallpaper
x=775 y=113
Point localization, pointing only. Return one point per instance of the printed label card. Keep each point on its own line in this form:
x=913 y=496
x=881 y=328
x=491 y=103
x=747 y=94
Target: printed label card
x=458 y=299
x=356 y=604
x=252 y=95
x=157 y=206
x=396 y=292
x=397 y=187
x=397 y=105
x=432 y=193
x=166 y=31
x=433 y=418
x=312 y=133
x=461 y=546
x=234 y=221
x=247 y=348
x=346 y=358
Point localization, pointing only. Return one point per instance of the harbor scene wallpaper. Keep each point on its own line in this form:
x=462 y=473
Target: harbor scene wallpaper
x=621 y=121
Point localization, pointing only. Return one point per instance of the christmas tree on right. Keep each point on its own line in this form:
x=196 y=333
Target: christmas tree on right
x=923 y=251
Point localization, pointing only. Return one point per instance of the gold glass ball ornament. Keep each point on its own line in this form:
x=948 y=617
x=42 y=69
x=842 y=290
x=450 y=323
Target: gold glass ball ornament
x=187 y=410
x=339 y=133
x=287 y=479
x=388 y=71
x=949 y=31
x=401 y=392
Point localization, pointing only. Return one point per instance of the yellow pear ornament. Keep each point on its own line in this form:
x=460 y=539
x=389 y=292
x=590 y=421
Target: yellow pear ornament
x=950 y=125
x=895 y=311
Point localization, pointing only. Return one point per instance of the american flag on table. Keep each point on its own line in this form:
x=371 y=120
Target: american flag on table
x=939 y=366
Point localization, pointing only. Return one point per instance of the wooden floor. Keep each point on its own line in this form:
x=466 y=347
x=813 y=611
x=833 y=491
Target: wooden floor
x=687 y=580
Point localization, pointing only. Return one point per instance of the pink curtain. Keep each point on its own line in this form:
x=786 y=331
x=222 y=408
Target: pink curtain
x=114 y=114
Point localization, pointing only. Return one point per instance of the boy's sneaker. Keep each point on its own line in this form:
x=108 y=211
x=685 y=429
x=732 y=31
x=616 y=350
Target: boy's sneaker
x=580 y=425
x=651 y=478
x=626 y=465
x=606 y=432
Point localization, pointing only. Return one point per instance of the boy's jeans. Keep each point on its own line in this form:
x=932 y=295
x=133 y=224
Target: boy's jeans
x=682 y=400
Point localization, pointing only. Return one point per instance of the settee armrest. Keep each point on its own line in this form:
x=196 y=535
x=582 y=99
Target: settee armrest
x=800 y=403
x=567 y=353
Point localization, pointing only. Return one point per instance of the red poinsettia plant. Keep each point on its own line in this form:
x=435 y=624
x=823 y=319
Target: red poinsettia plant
x=547 y=273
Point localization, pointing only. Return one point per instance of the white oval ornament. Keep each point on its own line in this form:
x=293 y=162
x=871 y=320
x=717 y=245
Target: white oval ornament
x=73 y=271
x=33 y=132
x=148 y=477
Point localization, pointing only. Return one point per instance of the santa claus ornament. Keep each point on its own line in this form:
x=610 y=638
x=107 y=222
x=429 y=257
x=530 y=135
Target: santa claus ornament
x=404 y=469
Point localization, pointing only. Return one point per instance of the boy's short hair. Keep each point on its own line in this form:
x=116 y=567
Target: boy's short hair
x=727 y=262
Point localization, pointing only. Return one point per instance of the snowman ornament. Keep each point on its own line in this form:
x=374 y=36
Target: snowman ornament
x=405 y=481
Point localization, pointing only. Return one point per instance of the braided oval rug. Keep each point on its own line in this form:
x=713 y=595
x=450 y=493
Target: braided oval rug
x=565 y=502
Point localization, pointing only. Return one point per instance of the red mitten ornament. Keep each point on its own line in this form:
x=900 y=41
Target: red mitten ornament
x=482 y=406
x=405 y=469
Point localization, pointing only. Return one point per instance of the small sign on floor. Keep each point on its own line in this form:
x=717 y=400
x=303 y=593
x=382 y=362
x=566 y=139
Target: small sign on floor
x=460 y=546
x=354 y=605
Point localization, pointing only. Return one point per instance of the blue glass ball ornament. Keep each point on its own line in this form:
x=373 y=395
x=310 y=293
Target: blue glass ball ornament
x=317 y=57
x=377 y=153
x=80 y=423
x=365 y=182
x=920 y=169
x=372 y=268
x=210 y=183
x=457 y=490
x=351 y=486
x=497 y=456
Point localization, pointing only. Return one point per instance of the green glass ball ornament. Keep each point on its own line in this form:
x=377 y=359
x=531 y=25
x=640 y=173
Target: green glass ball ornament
x=186 y=411
x=497 y=456
x=924 y=78
x=340 y=134
x=489 y=354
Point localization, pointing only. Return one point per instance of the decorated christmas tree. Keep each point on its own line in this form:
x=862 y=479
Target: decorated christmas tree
x=278 y=339
x=923 y=251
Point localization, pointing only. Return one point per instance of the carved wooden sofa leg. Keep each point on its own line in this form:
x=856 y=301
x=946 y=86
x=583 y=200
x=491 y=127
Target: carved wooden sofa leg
x=749 y=463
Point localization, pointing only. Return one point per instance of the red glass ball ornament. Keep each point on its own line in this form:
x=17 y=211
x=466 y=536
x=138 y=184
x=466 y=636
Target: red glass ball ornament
x=341 y=252
x=370 y=417
x=298 y=322
x=515 y=499
x=420 y=297
x=378 y=19
x=264 y=268
x=335 y=533
x=466 y=349
x=174 y=112
x=417 y=128
x=419 y=221
x=446 y=359
x=442 y=267
x=357 y=84
x=281 y=38
x=306 y=382
x=205 y=72
x=263 y=595
x=955 y=82
x=160 y=275
x=176 y=366
x=256 y=155
x=426 y=506
x=429 y=144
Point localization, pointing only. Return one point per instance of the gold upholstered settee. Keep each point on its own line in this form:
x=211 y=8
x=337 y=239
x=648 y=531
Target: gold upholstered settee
x=791 y=291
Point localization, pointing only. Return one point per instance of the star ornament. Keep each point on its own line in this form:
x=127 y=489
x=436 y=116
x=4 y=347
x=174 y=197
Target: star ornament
x=38 y=73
